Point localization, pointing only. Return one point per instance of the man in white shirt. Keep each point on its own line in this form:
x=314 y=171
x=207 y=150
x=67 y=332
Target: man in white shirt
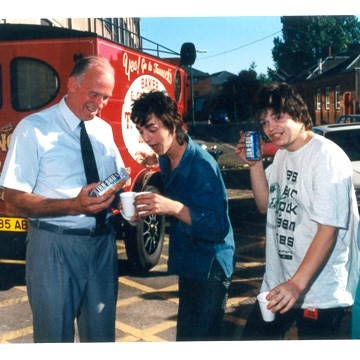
x=312 y=256
x=71 y=265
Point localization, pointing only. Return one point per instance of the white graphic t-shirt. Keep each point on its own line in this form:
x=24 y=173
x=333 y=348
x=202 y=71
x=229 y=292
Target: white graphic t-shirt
x=309 y=186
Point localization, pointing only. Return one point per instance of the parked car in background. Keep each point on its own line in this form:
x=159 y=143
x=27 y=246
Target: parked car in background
x=348 y=119
x=219 y=117
x=347 y=136
x=213 y=150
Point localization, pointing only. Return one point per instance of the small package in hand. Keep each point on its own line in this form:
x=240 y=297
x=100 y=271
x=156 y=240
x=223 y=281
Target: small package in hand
x=113 y=183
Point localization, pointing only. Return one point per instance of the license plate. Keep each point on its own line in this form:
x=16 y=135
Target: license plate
x=13 y=224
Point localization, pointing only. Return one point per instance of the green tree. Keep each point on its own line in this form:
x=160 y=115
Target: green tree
x=239 y=91
x=306 y=39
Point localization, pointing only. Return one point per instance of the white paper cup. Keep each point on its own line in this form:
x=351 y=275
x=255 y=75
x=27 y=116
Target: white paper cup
x=139 y=206
x=127 y=202
x=266 y=314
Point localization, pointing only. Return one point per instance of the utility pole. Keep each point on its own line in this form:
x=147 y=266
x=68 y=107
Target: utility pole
x=192 y=96
x=192 y=90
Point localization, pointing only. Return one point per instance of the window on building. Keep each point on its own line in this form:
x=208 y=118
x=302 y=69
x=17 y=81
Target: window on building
x=125 y=31
x=327 y=98
x=318 y=99
x=34 y=84
x=109 y=26
x=122 y=26
x=337 y=97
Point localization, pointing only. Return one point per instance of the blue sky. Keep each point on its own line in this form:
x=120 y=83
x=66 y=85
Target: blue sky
x=232 y=43
x=235 y=34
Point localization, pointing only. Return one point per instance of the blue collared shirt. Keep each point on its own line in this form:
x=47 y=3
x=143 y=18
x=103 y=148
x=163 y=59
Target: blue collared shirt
x=45 y=158
x=197 y=183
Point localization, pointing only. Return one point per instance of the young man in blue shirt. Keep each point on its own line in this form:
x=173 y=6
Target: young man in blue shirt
x=201 y=250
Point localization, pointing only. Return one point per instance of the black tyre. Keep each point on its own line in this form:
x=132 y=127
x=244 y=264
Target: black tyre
x=144 y=242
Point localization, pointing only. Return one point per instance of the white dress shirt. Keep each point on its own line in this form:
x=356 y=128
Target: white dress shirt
x=45 y=158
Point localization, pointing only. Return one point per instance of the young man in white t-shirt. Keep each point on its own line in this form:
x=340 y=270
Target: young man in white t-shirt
x=312 y=255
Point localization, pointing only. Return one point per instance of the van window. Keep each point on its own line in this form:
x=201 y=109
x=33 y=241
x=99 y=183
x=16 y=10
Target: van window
x=34 y=84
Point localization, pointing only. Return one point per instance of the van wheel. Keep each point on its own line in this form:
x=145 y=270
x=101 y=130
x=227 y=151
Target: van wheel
x=144 y=242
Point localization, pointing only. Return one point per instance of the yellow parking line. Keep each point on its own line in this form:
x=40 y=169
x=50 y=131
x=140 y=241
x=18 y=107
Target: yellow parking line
x=237 y=300
x=159 y=267
x=250 y=264
x=126 y=302
x=173 y=287
x=10 y=302
x=139 y=335
x=22 y=288
x=15 y=334
x=163 y=293
x=128 y=338
x=15 y=262
x=136 y=285
x=237 y=279
x=165 y=325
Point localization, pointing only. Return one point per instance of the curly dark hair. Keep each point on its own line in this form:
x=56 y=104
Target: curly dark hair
x=163 y=107
x=282 y=98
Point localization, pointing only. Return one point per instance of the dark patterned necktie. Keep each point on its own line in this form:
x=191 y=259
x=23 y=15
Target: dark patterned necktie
x=91 y=172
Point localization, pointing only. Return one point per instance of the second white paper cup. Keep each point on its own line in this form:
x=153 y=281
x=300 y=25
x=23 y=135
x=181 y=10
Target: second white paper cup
x=127 y=202
x=266 y=314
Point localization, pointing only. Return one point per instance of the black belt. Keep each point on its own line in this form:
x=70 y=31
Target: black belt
x=103 y=230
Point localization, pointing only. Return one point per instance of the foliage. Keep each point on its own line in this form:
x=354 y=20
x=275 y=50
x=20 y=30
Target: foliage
x=306 y=39
x=239 y=91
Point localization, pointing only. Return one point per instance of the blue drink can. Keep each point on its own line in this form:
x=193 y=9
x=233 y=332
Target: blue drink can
x=253 y=146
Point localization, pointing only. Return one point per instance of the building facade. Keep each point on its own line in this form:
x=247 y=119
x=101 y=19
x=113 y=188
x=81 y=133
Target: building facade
x=125 y=31
x=331 y=88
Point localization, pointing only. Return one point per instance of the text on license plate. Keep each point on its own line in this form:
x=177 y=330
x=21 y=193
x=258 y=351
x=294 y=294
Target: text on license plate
x=13 y=224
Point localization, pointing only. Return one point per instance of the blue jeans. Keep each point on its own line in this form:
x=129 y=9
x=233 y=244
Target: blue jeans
x=202 y=306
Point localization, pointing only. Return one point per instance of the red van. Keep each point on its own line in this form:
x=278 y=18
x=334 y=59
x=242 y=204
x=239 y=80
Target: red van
x=35 y=62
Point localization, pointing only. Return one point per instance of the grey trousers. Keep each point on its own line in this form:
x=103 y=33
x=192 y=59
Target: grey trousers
x=72 y=278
